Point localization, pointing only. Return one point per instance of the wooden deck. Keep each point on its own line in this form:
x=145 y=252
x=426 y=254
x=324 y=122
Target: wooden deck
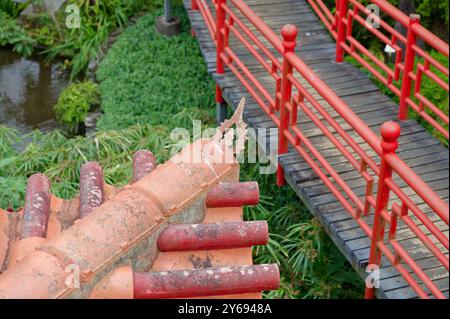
x=419 y=149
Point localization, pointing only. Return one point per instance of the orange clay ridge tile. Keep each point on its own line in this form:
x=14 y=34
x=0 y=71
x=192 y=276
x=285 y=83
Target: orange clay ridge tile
x=176 y=231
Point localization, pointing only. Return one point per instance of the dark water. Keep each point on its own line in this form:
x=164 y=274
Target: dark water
x=28 y=90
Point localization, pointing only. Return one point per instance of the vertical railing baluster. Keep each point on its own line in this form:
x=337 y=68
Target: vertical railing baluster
x=342 y=13
x=221 y=106
x=289 y=33
x=194 y=6
x=390 y=132
x=408 y=67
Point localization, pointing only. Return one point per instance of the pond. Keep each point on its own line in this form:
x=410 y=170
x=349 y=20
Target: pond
x=28 y=90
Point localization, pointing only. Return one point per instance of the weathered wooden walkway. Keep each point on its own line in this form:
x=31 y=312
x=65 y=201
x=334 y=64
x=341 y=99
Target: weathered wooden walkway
x=420 y=150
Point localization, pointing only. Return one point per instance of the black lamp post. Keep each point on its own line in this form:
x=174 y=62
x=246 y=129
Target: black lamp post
x=168 y=24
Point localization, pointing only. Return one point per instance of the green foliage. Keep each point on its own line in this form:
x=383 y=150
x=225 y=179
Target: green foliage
x=437 y=95
x=12 y=33
x=431 y=10
x=60 y=158
x=42 y=28
x=147 y=77
x=74 y=103
x=12 y=191
x=98 y=19
x=12 y=8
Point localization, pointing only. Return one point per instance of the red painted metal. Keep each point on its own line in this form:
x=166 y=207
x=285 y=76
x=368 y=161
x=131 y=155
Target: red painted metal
x=144 y=162
x=294 y=71
x=342 y=9
x=213 y=236
x=91 y=187
x=233 y=195
x=412 y=65
x=289 y=33
x=206 y=282
x=37 y=207
x=408 y=68
x=194 y=5
x=220 y=44
x=390 y=132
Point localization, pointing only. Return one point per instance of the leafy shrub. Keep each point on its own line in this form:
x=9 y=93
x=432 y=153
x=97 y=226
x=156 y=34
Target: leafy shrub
x=98 y=19
x=74 y=103
x=12 y=33
x=12 y=8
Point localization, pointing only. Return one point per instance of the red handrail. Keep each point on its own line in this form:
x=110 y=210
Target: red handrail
x=411 y=64
x=391 y=203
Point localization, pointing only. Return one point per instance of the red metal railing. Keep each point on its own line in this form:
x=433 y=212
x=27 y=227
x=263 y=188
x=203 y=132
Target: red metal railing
x=383 y=214
x=412 y=64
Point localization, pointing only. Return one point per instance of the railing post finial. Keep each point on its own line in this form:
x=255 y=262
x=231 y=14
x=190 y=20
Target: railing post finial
x=289 y=33
x=414 y=17
x=390 y=132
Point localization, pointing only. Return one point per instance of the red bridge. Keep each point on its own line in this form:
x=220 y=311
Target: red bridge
x=376 y=180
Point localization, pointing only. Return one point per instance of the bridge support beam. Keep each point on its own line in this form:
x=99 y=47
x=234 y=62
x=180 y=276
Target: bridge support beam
x=221 y=106
x=342 y=8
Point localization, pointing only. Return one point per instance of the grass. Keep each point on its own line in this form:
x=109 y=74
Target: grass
x=149 y=85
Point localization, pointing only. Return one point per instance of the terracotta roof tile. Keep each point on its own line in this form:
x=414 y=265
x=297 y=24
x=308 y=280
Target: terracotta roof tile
x=177 y=226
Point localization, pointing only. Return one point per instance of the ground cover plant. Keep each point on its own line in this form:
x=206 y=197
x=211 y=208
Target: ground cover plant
x=159 y=77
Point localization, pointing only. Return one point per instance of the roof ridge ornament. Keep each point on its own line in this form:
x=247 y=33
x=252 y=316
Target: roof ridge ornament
x=225 y=132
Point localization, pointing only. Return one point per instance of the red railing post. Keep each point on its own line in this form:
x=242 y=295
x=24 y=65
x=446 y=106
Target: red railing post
x=390 y=132
x=194 y=5
x=289 y=33
x=408 y=67
x=342 y=8
x=221 y=107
